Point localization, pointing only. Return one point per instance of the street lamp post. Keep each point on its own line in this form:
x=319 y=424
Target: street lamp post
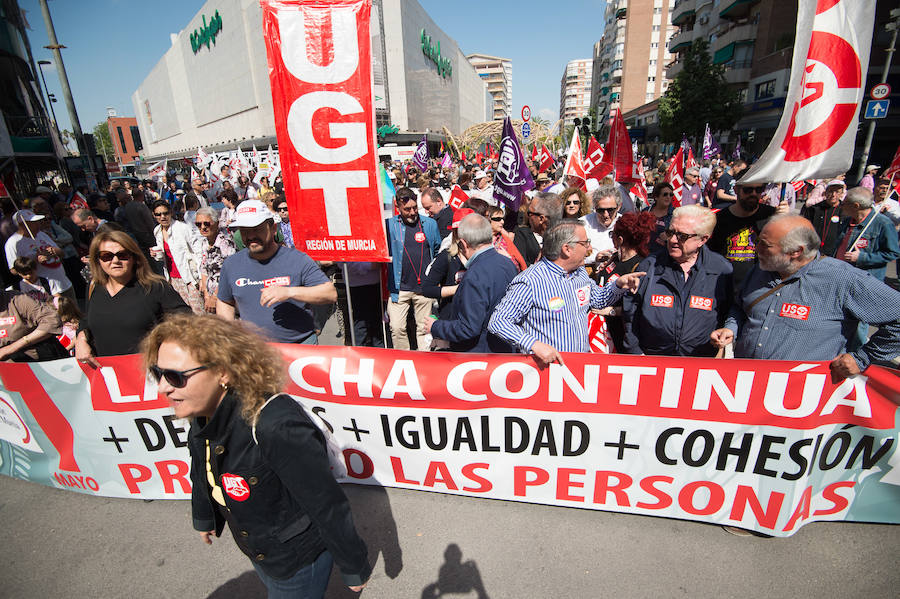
x=50 y=100
x=66 y=90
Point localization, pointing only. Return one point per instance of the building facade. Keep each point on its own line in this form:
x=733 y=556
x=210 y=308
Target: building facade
x=575 y=91
x=497 y=74
x=126 y=139
x=630 y=58
x=218 y=96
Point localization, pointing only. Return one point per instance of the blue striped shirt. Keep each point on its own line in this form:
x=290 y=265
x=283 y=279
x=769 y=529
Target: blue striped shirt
x=545 y=303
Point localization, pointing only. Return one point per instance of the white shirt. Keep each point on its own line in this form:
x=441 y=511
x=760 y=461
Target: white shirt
x=600 y=236
x=19 y=245
x=891 y=209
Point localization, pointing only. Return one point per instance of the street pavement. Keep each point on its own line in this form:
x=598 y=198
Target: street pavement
x=63 y=544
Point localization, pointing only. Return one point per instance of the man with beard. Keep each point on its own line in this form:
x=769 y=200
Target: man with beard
x=413 y=241
x=433 y=203
x=825 y=216
x=271 y=285
x=737 y=228
x=799 y=305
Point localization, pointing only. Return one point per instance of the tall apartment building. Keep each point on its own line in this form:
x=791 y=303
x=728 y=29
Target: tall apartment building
x=630 y=58
x=497 y=75
x=575 y=90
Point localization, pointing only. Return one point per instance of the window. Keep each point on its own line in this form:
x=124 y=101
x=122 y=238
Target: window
x=121 y=139
x=136 y=139
x=656 y=28
x=651 y=79
x=652 y=63
x=765 y=89
x=657 y=11
x=654 y=45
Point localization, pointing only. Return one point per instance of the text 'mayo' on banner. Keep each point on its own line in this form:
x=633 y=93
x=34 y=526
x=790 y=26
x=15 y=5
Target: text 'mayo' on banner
x=321 y=76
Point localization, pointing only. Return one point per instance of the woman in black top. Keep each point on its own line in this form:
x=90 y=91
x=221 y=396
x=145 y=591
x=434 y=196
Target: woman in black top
x=630 y=236
x=258 y=462
x=125 y=300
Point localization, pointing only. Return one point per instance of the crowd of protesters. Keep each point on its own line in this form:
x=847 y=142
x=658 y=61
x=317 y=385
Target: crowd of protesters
x=666 y=276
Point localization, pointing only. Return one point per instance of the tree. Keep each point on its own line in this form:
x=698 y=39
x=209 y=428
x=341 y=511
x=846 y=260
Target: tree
x=103 y=142
x=698 y=95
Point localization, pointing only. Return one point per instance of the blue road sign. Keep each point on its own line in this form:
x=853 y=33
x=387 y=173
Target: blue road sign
x=526 y=130
x=877 y=109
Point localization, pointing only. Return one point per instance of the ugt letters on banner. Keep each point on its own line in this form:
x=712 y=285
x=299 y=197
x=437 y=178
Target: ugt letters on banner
x=320 y=70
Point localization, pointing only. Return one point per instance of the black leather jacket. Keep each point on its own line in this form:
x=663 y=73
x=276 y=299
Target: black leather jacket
x=282 y=503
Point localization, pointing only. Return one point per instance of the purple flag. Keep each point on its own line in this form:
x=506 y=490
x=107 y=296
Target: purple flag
x=685 y=144
x=512 y=178
x=420 y=158
x=446 y=162
x=737 y=149
x=710 y=146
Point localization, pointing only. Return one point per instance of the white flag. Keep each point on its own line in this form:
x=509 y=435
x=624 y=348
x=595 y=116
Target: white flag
x=157 y=170
x=817 y=132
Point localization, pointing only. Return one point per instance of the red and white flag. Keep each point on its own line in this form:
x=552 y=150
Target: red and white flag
x=599 y=339
x=690 y=162
x=458 y=197
x=675 y=176
x=640 y=185
x=817 y=132
x=894 y=168
x=547 y=159
x=618 y=148
x=534 y=153
x=594 y=166
x=574 y=165
x=320 y=57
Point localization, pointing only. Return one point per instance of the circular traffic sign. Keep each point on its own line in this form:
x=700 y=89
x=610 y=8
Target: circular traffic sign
x=880 y=91
x=526 y=113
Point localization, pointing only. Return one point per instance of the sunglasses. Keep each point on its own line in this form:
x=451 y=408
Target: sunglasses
x=176 y=378
x=497 y=219
x=682 y=237
x=166 y=213
x=202 y=225
x=607 y=210
x=573 y=203
x=537 y=214
x=757 y=189
x=108 y=256
x=282 y=209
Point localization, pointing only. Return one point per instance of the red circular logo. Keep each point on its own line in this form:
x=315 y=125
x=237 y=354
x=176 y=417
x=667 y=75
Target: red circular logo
x=420 y=237
x=236 y=487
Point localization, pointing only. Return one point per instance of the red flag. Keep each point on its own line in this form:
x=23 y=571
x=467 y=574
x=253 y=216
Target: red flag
x=3 y=191
x=78 y=202
x=479 y=157
x=640 y=186
x=594 y=166
x=618 y=148
x=442 y=146
x=599 y=339
x=690 y=162
x=675 y=176
x=457 y=197
x=462 y=156
x=574 y=165
x=894 y=168
x=547 y=159
x=798 y=185
x=534 y=153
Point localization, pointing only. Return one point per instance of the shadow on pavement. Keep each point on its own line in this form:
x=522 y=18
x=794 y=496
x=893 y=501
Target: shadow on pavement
x=247 y=586
x=456 y=577
x=375 y=522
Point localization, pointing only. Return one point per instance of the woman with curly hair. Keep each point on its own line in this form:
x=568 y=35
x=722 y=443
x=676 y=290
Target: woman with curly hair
x=575 y=202
x=257 y=460
x=631 y=237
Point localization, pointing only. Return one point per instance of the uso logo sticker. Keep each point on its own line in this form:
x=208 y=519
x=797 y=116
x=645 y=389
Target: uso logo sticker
x=662 y=301
x=8 y=320
x=795 y=311
x=420 y=237
x=701 y=303
x=862 y=243
x=277 y=282
x=4 y=333
x=583 y=295
x=236 y=487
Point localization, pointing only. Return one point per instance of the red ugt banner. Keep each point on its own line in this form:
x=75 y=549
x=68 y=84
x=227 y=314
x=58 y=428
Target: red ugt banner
x=320 y=68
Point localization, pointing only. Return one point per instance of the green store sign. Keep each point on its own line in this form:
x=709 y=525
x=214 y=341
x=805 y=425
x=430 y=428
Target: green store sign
x=433 y=52
x=207 y=33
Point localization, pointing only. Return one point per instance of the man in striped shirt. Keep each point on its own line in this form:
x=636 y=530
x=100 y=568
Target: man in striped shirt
x=544 y=311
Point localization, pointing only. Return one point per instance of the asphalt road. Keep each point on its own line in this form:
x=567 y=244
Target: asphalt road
x=63 y=544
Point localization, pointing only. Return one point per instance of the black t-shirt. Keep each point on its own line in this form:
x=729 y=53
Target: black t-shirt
x=615 y=324
x=416 y=257
x=444 y=221
x=117 y=324
x=726 y=184
x=735 y=238
x=827 y=222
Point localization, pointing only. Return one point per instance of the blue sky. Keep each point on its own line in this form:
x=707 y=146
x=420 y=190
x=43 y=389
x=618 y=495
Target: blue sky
x=113 y=44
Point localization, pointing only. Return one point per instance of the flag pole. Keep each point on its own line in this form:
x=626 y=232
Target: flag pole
x=349 y=305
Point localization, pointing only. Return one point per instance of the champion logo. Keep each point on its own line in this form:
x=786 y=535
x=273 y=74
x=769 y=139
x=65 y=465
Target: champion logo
x=701 y=303
x=795 y=311
x=236 y=487
x=662 y=301
x=276 y=281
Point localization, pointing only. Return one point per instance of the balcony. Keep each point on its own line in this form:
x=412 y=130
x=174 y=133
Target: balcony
x=681 y=41
x=621 y=9
x=617 y=75
x=684 y=9
x=673 y=68
x=29 y=134
x=737 y=34
x=738 y=72
x=736 y=9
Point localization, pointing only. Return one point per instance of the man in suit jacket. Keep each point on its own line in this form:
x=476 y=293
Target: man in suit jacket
x=487 y=276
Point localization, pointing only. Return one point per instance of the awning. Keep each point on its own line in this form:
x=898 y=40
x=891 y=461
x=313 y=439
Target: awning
x=682 y=45
x=683 y=16
x=736 y=8
x=723 y=55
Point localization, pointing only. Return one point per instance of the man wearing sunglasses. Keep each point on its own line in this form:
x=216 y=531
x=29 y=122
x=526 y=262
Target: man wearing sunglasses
x=686 y=294
x=529 y=239
x=738 y=227
x=271 y=285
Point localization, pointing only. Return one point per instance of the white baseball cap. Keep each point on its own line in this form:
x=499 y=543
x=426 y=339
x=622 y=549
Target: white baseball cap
x=251 y=213
x=26 y=216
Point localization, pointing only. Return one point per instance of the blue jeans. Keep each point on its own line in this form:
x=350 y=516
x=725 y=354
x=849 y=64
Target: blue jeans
x=309 y=582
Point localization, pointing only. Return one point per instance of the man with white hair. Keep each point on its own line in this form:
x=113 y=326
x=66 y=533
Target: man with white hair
x=686 y=294
x=799 y=305
x=867 y=238
x=487 y=275
x=692 y=193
